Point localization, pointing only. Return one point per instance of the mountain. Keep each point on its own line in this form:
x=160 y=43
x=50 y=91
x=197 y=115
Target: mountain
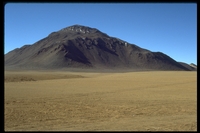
x=194 y=66
x=84 y=47
x=191 y=67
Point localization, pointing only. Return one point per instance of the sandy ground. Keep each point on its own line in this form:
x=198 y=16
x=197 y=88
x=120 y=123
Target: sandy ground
x=81 y=101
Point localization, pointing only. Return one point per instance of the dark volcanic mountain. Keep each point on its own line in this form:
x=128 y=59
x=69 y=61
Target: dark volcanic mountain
x=84 y=47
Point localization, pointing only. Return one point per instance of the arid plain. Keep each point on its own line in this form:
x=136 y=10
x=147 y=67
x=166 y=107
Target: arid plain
x=94 y=101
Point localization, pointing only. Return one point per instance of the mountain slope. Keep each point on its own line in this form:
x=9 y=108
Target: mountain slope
x=191 y=67
x=84 y=47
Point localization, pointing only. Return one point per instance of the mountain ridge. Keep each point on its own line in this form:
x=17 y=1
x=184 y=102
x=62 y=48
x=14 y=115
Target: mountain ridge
x=79 y=46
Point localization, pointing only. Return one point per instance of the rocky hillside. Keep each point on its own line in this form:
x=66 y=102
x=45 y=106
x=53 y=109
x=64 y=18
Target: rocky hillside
x=84 y=47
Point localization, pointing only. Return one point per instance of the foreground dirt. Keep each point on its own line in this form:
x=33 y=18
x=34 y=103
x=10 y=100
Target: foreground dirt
x=80 y=101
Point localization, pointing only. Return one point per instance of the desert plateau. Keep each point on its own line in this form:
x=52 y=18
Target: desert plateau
x=99 y=67
x=81 y=79
x=100 y=101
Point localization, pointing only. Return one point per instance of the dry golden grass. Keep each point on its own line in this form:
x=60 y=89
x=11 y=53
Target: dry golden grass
x=80 y=101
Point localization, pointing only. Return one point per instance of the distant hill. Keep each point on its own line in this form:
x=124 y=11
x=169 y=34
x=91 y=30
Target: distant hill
x=191 y=67
x=84 y=47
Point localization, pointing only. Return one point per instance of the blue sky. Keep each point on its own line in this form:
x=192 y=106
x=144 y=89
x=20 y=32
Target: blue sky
x=170 y=28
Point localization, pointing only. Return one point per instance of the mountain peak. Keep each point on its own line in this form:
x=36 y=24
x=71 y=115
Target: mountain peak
x=80 y=28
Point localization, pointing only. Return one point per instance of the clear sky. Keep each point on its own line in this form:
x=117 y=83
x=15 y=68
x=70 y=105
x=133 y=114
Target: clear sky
x=170 y=28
